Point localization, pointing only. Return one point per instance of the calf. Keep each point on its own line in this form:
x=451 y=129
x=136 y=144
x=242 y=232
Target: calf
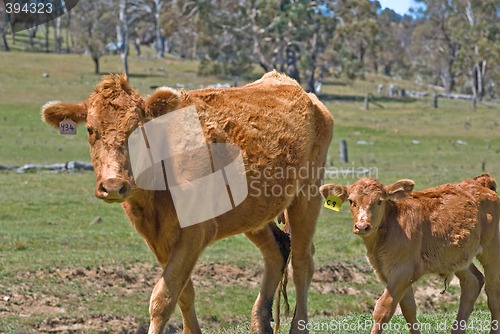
x=439 y=230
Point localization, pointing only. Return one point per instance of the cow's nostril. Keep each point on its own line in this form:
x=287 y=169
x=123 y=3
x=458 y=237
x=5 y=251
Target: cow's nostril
x=123 y=190
x=102 y=188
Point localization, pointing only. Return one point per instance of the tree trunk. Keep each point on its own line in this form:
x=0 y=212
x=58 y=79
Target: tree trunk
x=478 y=82
x=311 y=80
x=47 y=45
x=292 y=69
x=448 y=77
x=4 y=24
x=361 y=57
x=32 y=35
x=96 y=64
x=57 y=36
x=260 y=57
x=5 y=43
x=311 y=77
x=160 y=40
x=68 y=33
x=122 y=35
x=256 y=46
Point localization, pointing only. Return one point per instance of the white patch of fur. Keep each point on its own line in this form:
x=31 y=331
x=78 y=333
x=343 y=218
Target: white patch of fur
x=168 y=89
x=362 y=215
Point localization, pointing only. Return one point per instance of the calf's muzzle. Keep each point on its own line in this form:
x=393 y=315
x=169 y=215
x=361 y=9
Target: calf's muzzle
x=362 y=228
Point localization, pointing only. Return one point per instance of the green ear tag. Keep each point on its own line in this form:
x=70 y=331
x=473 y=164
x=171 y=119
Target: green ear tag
x=333 y=203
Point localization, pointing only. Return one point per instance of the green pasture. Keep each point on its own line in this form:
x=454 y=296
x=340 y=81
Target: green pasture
x=48 y=220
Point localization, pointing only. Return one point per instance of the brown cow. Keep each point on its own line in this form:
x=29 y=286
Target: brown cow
x=277 y=127
x=439 y=230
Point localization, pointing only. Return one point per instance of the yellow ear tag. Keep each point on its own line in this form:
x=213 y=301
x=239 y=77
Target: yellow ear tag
x=333 y=203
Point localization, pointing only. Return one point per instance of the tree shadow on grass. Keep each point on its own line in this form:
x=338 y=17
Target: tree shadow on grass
x=145 y=75
x=361 y=98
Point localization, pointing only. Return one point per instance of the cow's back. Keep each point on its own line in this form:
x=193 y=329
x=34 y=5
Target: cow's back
x=272 y=125
x=283 y=135
x=449 y=222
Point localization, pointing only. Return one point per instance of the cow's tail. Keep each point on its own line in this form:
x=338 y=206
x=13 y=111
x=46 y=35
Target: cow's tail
x=282 y=237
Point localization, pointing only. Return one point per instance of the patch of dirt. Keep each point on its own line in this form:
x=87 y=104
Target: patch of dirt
x=206 y=274
x=325 y=277
x=22 y=300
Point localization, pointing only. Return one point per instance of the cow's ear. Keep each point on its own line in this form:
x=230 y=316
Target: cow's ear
x=162 y=101
x=334 y=189
x=399 y=189
x=54 y=112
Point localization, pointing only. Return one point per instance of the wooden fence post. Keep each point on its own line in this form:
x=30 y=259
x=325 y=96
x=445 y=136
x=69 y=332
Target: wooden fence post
x=343 y=151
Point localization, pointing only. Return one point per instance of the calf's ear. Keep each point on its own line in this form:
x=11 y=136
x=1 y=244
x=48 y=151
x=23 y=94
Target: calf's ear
x=399 y=189
x=162 y=101
x=334 y=189
x=55 y=112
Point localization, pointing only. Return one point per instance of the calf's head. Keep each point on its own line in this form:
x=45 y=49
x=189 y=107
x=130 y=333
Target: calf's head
x=368 y=199
x=111 y=113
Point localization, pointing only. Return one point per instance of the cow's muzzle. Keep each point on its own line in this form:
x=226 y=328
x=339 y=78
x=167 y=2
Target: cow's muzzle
x=113 y=190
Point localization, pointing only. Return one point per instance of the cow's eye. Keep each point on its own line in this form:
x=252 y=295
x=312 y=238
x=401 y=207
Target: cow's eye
x=90 y=131
x=379 y=202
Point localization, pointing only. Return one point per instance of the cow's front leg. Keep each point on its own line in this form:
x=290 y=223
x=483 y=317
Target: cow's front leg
x=186 y=304
x=397 y=286
x=409 y=309
x=176 y=278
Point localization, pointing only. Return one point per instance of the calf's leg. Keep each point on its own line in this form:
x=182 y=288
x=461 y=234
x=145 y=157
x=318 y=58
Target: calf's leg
x=397 y=286
x=409 y=309
x=275 y=253
x=490 y=259
x=471 y=283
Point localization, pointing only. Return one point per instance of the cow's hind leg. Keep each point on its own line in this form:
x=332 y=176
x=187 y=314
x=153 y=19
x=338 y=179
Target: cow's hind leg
x=490 y=260
x=274 y=246
x=471 y=283
x=302 y=215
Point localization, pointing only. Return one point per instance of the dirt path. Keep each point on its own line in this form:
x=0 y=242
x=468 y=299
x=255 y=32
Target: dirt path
x=21 y=300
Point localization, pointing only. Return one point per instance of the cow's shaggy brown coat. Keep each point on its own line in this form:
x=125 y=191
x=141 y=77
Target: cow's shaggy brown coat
x=439 y=230
x=275 y=124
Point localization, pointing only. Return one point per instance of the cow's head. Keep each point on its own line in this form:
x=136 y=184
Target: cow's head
x=112 y=112
x=368 y=198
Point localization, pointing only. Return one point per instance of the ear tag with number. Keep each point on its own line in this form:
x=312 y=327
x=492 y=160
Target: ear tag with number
x=67 y=127
x=333 y=203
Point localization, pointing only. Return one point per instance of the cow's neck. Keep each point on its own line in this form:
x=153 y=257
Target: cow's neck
x=153 y=215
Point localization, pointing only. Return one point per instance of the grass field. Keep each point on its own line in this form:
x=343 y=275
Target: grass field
x=61 y=269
